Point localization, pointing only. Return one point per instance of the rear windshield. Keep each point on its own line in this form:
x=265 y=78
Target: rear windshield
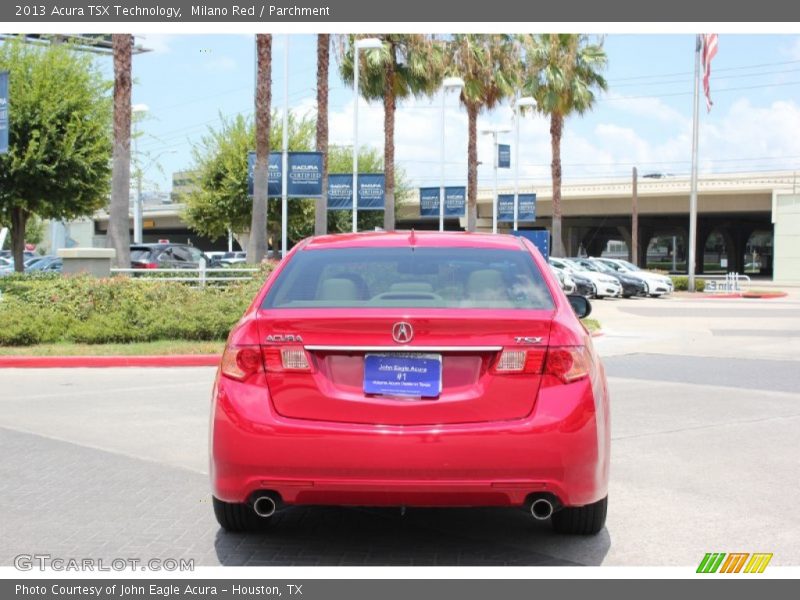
x=140 y=253
x=406 y=277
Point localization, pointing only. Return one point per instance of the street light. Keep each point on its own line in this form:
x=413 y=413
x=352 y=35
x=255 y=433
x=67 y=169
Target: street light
x=450 y=83
x=137 y=203
x=362 y=44
x=138 y=208
x=524 y=102
x=494 y=132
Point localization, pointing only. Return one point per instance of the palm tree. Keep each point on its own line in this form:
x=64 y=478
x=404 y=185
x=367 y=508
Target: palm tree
x=406 y=65
x=323 y=64
x=119 y=236
x=488 y=64
x=257 y=244
x=563 y=72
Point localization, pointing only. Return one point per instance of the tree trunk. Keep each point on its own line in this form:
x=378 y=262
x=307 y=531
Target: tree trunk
x=323 y=64
x=19 y=219
x=556 y=129
x=119 y=236
x=389 y=107
x=257 y=244
x=472 y=168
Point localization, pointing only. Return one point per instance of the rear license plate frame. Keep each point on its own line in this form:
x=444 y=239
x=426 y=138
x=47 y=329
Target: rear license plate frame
x=413 y=384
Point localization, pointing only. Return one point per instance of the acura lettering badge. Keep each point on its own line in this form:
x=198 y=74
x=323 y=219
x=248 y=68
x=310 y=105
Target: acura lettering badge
x=402 y=332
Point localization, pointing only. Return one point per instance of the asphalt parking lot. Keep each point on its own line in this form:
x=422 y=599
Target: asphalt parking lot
x=111 y=463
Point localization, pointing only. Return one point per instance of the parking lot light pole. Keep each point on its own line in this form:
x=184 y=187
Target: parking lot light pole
x=450 y=83
x=137 y=201
x=363 y=44
x=494 y=132
x=138 y=206
x=524 y=102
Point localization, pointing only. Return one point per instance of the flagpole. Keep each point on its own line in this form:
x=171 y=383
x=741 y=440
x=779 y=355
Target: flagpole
x=691 y=259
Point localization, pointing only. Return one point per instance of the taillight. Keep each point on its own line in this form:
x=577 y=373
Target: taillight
x=239 y=362
x=149 y=265
x=288 y=358
x=567 y=363
x=520 y=361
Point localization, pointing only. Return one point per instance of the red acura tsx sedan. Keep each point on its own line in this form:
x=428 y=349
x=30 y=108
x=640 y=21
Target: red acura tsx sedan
x=411 y=369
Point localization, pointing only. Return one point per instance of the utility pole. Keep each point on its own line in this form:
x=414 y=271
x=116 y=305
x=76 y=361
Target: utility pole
x=635 y=220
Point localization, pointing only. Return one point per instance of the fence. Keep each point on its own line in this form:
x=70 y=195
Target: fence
x=201 y=275
x=730 y=282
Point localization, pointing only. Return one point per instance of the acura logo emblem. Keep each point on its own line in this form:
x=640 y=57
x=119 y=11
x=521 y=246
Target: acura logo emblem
x=402 y=332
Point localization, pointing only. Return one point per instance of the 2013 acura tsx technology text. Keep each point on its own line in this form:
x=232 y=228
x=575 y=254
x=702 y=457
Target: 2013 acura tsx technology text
x=412 y=369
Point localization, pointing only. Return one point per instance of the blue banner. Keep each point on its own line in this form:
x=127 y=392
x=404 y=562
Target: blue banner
x=340 y=192
x=274 y=185
x=455 y=201
x=305 y=174
x=525 y=212
x=3 y=112
x=503 y=156
x=429 y=202
x=540 y=238
x=371 y=191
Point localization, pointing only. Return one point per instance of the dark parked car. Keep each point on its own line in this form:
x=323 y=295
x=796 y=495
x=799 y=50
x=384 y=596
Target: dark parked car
x=631 y=286
x=168 y=256
x=44 y=264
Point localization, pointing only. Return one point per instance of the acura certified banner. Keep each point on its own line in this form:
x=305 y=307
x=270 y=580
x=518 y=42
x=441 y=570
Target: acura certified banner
x=455 y=201
x=305 y=174
x=525 y=212
x=371 y=191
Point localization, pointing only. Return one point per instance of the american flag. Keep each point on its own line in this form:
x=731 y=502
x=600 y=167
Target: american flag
x=709 y=49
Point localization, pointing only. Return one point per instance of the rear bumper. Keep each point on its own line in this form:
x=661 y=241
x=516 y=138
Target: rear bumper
x=561 y=448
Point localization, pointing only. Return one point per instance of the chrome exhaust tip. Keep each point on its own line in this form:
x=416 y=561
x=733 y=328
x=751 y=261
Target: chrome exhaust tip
x=264 y=506
x=541 y=509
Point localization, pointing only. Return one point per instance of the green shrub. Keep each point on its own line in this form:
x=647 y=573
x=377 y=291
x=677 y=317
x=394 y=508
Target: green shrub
x=51 y=308
x=681 y=283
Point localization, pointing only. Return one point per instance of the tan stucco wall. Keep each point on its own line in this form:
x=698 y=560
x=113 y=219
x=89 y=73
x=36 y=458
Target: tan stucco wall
x=787 y=238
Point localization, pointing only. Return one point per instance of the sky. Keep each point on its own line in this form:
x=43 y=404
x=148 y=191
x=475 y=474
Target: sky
x=188 y=81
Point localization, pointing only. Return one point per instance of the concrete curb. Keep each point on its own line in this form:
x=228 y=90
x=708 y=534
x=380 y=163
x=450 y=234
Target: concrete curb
x=62 y=362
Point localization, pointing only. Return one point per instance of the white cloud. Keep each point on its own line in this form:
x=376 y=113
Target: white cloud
x=647 y=107
x=794 y=49
x=220 y=64
x=609 y=149
x=157 y=43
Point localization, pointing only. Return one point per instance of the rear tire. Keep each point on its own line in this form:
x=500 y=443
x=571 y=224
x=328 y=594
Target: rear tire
x=581 y=520
x=238 y=517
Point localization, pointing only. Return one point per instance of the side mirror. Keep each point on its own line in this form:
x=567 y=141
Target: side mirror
x=581 y=305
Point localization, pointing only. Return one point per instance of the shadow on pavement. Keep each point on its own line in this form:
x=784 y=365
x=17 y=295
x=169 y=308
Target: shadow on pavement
x=369 y=536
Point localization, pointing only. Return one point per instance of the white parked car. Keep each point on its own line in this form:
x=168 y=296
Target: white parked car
x=657 y=284
x=606 y=286
x=567 y=283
